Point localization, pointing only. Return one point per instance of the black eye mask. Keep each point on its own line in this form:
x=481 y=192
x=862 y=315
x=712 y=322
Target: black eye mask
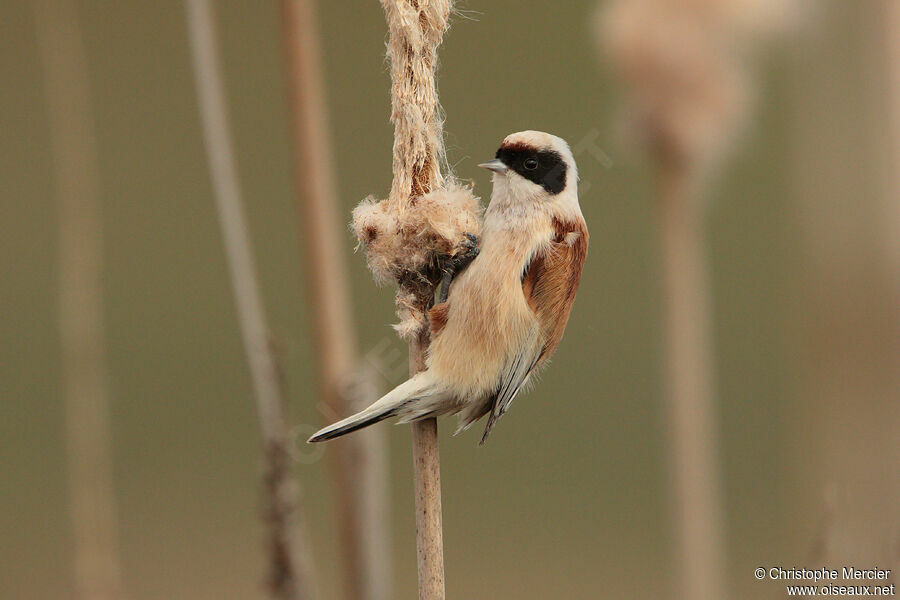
x=549 y=172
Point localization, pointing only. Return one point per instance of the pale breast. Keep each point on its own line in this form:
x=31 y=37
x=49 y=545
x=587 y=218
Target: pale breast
x=487 y=317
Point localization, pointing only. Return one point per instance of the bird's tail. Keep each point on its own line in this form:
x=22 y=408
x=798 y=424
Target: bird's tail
x=390 y=405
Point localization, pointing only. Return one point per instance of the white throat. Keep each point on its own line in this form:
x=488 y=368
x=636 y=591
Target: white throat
x=518 y=202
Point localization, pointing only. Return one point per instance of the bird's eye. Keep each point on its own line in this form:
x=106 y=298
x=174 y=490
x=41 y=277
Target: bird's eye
x=530 y=164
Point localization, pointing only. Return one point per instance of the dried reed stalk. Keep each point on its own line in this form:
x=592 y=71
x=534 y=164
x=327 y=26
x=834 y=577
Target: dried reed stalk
x=425 y=216
x=427 y=484
x=849 y=312
x=890 y=20
x=360 y=461
x=289 y=562
x=687 y=95
x=416 y=30
x=92 y=502
x=688 y=377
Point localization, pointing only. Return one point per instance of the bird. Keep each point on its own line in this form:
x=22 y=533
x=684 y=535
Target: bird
x=505 y=312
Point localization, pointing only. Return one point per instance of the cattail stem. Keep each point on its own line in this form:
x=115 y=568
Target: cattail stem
x=850 y=296
x=359 y=460
x=85 y=392
x=416 y=30
x=429 y=521
x=683 y=65
x=890 y=19
x=289 y=571
x=427 y=484
x=688 y=381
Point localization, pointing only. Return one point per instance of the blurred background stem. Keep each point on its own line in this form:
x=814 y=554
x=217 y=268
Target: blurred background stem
x=850 y=312
x=85 y=386
x=359 y=460
x=890 y=51
x=289 y=574
x=688 y=380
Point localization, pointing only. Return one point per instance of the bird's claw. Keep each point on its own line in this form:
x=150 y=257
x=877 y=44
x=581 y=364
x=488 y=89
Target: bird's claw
x=457 y=263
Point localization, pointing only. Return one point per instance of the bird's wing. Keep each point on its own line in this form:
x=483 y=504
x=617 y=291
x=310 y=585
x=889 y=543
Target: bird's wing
x=549 y=283
x=511 y=381
x=552 y=279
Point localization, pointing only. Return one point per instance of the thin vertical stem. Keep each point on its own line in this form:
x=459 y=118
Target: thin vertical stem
x=288 y=561
x=416 y=30
x=850 y=298
x=688 y=380
x=92 y=503
x=359 y=460
x=427 y=489
x=890 y=20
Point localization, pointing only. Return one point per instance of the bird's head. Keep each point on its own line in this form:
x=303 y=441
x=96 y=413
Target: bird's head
x=534 y=165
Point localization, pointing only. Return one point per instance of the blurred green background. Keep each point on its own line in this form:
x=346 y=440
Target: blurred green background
x=568 y=500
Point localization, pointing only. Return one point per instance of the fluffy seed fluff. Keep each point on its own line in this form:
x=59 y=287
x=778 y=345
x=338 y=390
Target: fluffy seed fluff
x=426 y=218
x=411 y=245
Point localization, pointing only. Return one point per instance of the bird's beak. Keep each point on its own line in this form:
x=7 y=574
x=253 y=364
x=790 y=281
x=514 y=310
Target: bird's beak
x=495 y=165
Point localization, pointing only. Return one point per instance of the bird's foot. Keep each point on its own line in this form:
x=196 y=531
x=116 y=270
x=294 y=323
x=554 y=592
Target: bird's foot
x=456 y=264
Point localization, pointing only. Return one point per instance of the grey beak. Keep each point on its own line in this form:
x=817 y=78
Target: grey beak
x=495 y=165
